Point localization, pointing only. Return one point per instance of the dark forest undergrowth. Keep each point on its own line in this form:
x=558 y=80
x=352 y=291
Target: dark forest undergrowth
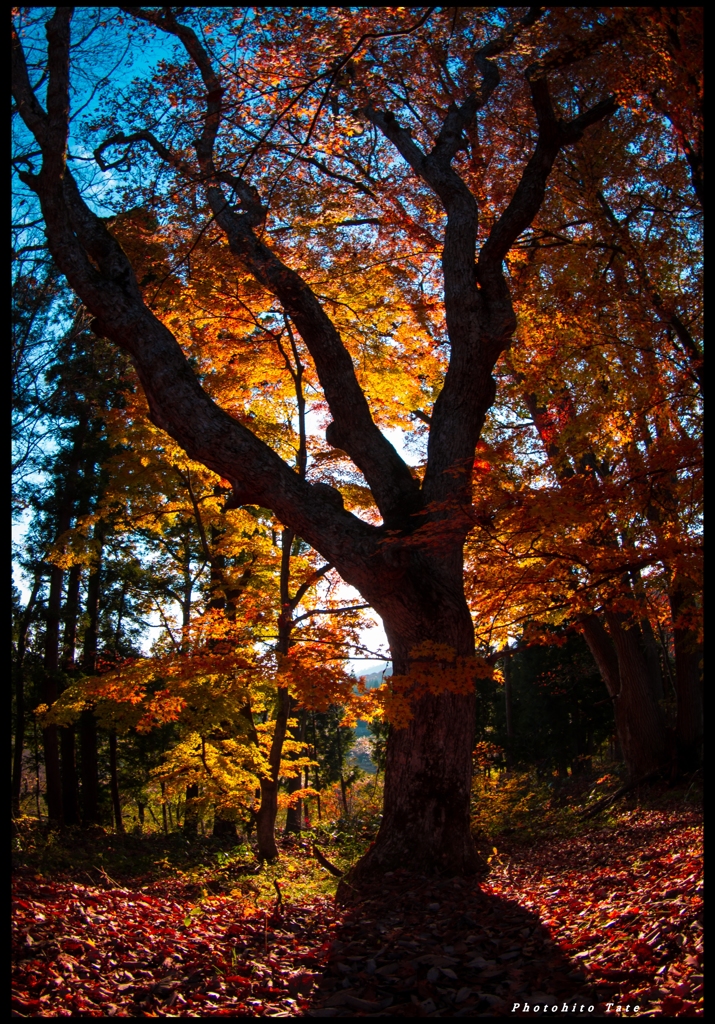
x=574 y=913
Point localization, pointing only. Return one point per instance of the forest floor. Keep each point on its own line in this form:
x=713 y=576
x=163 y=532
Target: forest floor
x=605 y=918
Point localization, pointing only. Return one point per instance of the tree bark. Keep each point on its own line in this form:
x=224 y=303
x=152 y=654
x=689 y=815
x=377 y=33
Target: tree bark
x=425 y=823
x=294 y=813
x=114 y=783
x=639 y=719
x=426 y=815
x=89 y=760
x=89 y=768
x=265 y=820
x=642 y=728
x=163 y=808
x=509 y=709
x=191 y=814
x=268 y=809
x=50 y=739
x=688 y=676
x=19 y=673
x=67 y=733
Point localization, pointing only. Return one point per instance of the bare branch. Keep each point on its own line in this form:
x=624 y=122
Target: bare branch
x=331 y=611
x=353 y=429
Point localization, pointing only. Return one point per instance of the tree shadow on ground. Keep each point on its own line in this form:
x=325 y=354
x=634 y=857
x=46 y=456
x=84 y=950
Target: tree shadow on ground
x=411 y=946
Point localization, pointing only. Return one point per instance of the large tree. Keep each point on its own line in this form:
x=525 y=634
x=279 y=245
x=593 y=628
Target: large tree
x=447 y=124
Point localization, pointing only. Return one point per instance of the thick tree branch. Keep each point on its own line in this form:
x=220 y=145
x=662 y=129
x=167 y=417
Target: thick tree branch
x=307 y=584
x=28 y=105
x=353 y=429
x=100 y=273
x=477 y=331
x=529 y=195
x=120 y=139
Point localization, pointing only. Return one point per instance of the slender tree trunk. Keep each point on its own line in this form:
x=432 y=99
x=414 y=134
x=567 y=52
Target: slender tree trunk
x=19 y=746
x=341 y=766
x=508 y=702
x=89 y=767
x=69 y=775
x=89 y=761
x=163 y=808
x=37 y=770
x=19 y=673
x=268 y=809
x=688 y=676
x=294 y=814
x=50 y=738
x=266 y=821
x=191 y=813
x=114 y=783
x=67 y=733
x=66 y=495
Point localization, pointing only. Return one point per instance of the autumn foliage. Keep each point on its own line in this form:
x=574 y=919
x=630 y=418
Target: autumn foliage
x=331 y=317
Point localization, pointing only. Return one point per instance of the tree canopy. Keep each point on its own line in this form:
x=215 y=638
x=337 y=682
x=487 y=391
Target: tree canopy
x=403 y=299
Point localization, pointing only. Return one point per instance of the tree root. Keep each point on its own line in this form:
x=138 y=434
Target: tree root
x=323 y=860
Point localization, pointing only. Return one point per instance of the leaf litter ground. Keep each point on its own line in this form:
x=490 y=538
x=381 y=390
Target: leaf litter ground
x=613 y=916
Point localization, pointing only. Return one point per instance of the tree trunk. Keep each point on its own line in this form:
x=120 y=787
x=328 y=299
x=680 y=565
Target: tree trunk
x=266 y=814
x=224 y=827
x=89 y=768
x=428 y=772
x=70 y=794
x=114 y=783
x=425 y=823
x=19 y=747
x=341 y=766
x=639 y=719
x=191 y=814
x=268 y=809
x=19 y=672
x=266 y=821
x=89 y=761
x=38 y=805
x=509 y=709
x=688 y=677
x=66 y=499
x=652 y=659
x=69 y=775
x=163 y=808
x=50 y=739
x=642 y=728
x=603 y=651
x=294 y=814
